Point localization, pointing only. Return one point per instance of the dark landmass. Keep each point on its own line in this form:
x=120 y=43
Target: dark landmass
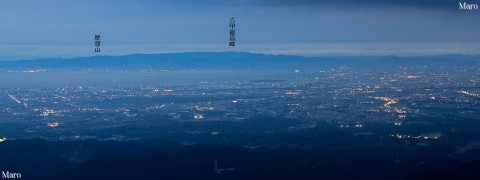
x=221 y=60
x=157 y=159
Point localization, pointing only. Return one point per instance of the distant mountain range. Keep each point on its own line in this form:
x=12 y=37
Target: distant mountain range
x=219 y=60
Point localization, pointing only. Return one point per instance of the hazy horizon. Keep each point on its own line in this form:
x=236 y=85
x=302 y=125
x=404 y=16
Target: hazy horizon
x=261 y=53
x=65 y=29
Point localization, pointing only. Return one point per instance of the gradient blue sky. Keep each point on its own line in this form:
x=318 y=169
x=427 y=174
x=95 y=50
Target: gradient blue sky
x=31 y=29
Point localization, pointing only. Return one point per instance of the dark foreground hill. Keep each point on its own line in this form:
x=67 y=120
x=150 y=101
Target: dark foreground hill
x=155 y=159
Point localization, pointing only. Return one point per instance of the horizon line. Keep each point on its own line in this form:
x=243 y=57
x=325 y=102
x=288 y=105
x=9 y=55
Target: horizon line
x=245 y=52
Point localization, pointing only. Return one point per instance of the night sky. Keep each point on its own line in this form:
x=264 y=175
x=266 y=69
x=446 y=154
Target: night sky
x=31 y=29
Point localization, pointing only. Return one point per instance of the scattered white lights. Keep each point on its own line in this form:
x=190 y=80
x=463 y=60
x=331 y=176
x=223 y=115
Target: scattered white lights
x=433 y=136
x=198 y=116
x=53 y=125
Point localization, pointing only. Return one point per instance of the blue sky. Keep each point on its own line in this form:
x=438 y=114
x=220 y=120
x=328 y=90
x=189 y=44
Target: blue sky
x=31 y=29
